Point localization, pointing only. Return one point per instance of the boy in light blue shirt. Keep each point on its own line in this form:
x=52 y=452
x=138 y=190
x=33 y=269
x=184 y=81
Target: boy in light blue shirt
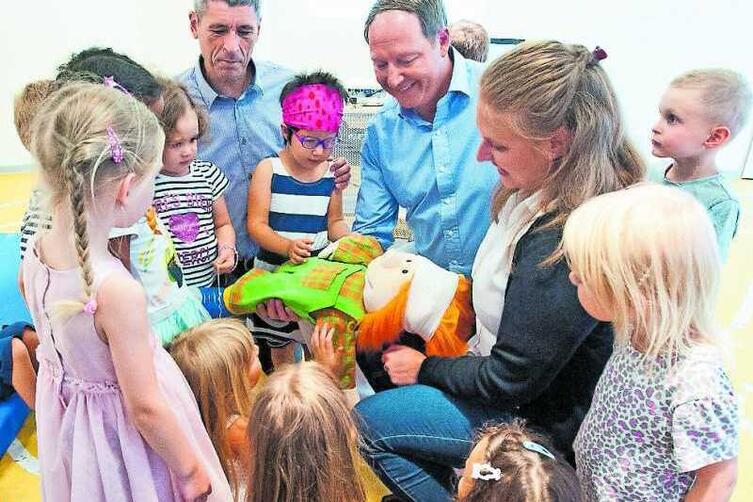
x=701 y=111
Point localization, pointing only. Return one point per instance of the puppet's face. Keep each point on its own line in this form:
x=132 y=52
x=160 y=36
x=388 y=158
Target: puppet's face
x=385 y=276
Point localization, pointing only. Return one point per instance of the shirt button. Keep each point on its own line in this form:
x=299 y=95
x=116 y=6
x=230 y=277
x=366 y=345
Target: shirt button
x=243 y=141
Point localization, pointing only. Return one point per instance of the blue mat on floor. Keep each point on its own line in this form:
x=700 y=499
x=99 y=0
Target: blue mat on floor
x=12 y=307
x=13 y=411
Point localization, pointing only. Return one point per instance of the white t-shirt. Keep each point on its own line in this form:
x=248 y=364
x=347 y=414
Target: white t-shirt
x=491 y=267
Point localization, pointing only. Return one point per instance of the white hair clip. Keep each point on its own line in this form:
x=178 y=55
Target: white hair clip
x=486 y=472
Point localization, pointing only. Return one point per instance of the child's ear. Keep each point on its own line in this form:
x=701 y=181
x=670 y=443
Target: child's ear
x=718 y=136
x=124 y=187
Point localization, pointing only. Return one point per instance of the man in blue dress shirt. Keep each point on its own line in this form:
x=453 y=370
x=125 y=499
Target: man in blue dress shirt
x=242 y=99
x=420 y=150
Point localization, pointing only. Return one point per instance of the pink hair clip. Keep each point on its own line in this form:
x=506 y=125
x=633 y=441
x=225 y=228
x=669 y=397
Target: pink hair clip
x=91 y=306
x=116 y=149
x=597 y=55
x=113 y=84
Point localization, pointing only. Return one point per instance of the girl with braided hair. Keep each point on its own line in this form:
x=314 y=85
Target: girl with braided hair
x=116 y=419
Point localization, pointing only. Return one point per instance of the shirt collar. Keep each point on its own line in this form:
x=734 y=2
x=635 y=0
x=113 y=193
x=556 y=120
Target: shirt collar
x=460 y=81
x=208 y=93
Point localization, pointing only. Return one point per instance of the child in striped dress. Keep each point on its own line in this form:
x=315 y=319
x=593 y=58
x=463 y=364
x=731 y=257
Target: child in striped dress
x=188 y=194
x=294 y=210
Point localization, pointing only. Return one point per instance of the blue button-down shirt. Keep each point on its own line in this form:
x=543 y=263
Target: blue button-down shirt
x=241 y=133
x=430 y=169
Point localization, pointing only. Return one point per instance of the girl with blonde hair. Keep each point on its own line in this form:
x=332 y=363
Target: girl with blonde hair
x=550 y=124
x=303 y=440
x=663 y=423
x=115 y=418
x=221 y=363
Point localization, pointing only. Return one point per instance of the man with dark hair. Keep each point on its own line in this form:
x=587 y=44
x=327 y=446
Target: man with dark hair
x=241 y=96
x=419 y=151
x=470 y=39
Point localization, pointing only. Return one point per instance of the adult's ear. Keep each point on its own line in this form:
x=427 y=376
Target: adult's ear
x=443 y=37
x=559 y=142
x=124 y=187
x=193 y=19
x=718 y=136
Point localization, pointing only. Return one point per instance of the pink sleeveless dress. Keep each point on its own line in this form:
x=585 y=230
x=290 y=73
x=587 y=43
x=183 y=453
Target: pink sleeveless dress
x=89 y=450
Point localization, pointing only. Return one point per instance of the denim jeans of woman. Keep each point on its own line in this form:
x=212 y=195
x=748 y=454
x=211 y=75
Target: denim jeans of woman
x=414 y=436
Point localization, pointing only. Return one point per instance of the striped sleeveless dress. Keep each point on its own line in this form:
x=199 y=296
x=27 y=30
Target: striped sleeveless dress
x=297 y=209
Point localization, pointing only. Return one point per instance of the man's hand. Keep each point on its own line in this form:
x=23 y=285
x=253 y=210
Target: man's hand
x=341 y=168
x=275 y=310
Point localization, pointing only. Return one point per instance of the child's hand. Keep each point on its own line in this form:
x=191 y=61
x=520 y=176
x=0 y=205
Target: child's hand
x=324 y=351
x=225 y=261
x=299 y=250
x=196 y=487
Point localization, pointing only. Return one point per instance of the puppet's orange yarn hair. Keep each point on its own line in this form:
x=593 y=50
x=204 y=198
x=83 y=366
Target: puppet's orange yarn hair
x=384 y=325
x=457 y=325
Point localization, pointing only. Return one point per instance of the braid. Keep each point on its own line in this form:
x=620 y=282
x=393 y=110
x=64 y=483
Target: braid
x=79 y=162
x=75 y=184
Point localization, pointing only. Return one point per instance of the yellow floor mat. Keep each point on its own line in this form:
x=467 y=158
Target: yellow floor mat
x=19 y=481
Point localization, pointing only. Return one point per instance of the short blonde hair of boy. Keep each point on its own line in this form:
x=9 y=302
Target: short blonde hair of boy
x=216 y=357
x=303 y=440
x=27 y=104
x=725 y=95
x=649 y=255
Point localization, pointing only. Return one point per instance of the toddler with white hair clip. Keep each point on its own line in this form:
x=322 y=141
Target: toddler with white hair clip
x=512 y=463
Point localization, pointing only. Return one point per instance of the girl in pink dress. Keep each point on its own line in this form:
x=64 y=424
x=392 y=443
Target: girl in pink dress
x=116 y=419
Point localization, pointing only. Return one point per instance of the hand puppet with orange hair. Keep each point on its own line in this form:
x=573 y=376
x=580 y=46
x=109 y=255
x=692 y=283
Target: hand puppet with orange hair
x=407 y=292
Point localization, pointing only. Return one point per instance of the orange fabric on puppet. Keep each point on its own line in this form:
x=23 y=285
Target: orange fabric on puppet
x=407 y=292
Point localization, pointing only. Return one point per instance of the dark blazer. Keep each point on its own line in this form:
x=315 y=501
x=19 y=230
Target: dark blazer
x=549 y=352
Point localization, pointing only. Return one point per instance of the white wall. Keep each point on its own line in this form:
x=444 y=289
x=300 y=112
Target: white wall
x=649 y=42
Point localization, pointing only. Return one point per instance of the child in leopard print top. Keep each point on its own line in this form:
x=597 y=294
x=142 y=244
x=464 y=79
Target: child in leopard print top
x=663 y=421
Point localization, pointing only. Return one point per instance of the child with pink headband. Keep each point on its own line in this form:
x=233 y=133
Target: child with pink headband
x=294 y=210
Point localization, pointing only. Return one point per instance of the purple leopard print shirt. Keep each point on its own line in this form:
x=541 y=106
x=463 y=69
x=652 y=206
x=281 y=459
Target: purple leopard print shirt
x=650 y=427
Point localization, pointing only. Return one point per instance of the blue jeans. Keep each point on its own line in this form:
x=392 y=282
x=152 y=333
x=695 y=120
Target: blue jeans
x=414 y=436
